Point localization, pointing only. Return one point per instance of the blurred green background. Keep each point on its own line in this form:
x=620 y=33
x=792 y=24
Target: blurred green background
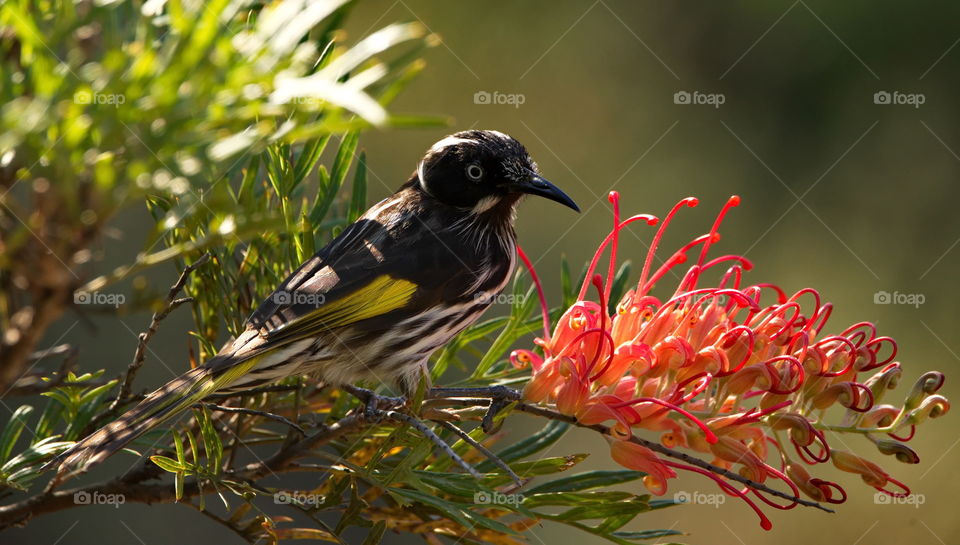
x=839 y=193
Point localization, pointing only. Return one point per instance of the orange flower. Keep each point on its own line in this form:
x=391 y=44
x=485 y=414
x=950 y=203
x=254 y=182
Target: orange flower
x=714 y=371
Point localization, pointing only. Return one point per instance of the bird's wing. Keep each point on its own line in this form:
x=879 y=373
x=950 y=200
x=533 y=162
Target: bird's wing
x=366 y=272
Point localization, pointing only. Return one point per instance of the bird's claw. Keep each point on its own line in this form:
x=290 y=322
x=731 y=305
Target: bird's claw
x=375 y=405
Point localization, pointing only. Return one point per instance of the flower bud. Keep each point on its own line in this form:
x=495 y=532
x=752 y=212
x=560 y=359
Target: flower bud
x=871 y=473
x=902 y=452
x=927 y=384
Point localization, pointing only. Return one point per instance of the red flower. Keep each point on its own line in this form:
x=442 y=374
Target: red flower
x=715 y=370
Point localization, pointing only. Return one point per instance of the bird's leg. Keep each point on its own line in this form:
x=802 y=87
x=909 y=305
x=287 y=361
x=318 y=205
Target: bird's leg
x=377 y=408
x=374 y=405
x=422 y=427
x=483 y=450
x=500 y=397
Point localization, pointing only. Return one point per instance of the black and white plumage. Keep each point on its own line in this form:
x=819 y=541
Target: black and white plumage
x=374 y=304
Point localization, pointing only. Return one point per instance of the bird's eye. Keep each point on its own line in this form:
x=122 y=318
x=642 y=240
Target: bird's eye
x=474 y=172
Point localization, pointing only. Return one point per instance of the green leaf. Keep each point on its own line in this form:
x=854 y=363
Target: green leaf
x=547 y=466
x=601 y=511
x=309 y=157
x=548 y=435
x=575 y=498
x=167 y=464
x=358 y=199
x=586 y=481
x=457 y=512
x=13 y=430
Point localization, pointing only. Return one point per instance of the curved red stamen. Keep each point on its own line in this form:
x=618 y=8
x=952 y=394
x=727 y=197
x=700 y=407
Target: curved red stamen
x=793 y=488
x=731 y=202
x=756 y=416
x=821 y=316
x=648 y=262
x=697 y=390
x=905 y=488
x=811 y=291
x=855 y=402
x=854 y=331
x=543 y=299
x=728 y=342
x=746 y=263
x=913 y=430
x=874 y=347
x=651 y=220
x=726 y=487
x=576 y=340
x=707 y=432
x=827 y=487
x=598 y=283
x=805 y=449
x=778 y=312
x=781 y=295
x=775 y=388
x=675 y=259
x=851 y=360
x=614 y=199
x=799 y=337
x=735 y=271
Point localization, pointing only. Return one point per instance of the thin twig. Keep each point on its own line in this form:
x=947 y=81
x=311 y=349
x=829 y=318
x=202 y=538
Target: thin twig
x=502 y=393
x=34 y=383
x=133 y=489
x=142 y=339
x=657 y=447
x=429 y=434
x=264 y=414
x=482 y=449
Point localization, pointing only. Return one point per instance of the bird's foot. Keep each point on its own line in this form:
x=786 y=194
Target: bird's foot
x=374 y=405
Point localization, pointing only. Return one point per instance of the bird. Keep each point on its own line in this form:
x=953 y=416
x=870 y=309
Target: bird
x=371 y=306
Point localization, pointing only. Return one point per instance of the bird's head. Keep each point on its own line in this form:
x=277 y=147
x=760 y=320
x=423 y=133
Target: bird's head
x=479 y=170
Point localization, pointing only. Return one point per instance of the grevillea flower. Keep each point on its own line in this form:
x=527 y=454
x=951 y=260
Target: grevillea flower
x=747 y=375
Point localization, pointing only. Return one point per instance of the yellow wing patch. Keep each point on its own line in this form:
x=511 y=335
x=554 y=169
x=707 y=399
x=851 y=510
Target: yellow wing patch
x=380 y=296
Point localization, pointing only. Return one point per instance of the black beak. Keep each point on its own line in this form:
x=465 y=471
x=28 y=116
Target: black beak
x=535 y=185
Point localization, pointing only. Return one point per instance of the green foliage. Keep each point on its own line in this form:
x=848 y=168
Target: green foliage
x=237 y=127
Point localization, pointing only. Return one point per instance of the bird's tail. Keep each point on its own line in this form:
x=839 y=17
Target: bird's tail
x=165 y=403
